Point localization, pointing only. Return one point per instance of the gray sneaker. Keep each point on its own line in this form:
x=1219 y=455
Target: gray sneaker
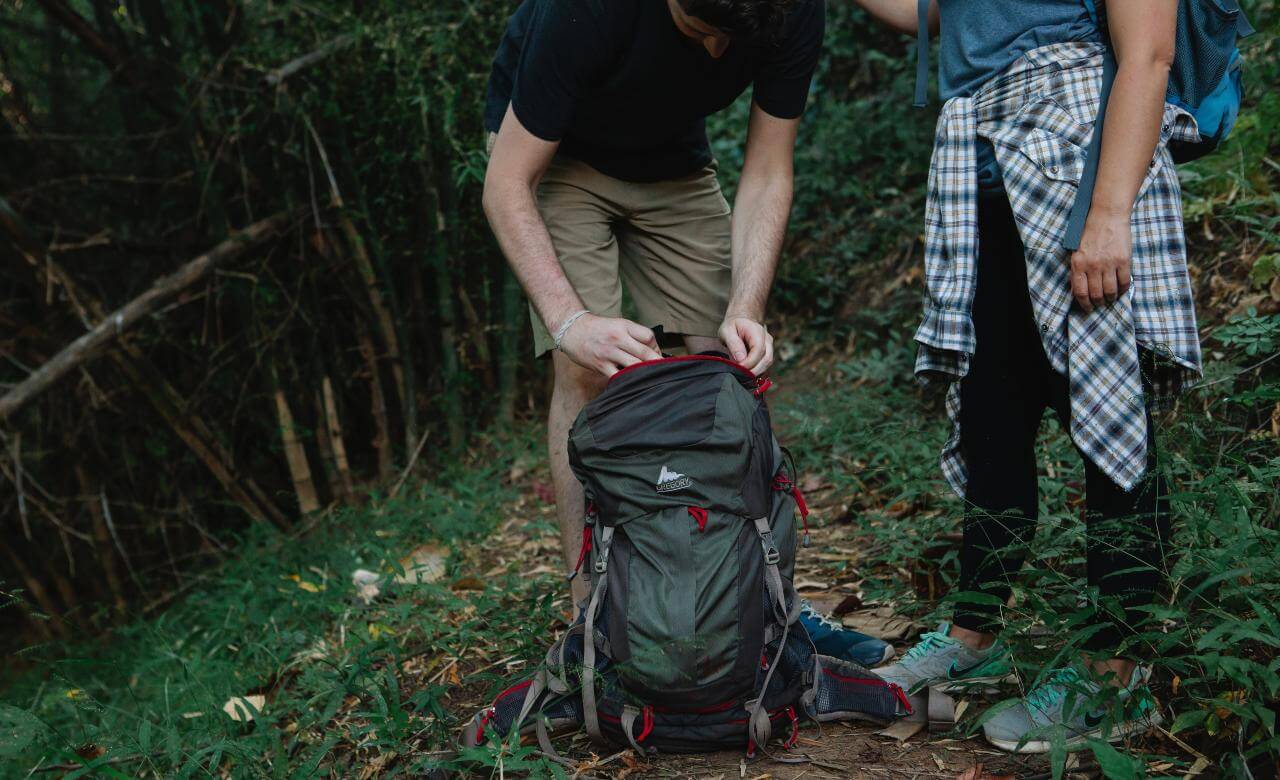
x=939 y=661
x=1075 y=708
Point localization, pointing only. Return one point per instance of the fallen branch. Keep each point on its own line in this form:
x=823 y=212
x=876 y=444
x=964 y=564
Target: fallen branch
x=145 y=378
x=91 y=344
x=277 y=76
x=412 y=462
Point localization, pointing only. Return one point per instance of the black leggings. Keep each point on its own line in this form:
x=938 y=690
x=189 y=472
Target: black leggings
x=1002 y=400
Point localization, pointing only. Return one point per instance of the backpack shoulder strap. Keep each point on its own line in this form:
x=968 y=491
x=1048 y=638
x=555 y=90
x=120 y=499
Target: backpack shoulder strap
x=922 y=53
x=1084 y=195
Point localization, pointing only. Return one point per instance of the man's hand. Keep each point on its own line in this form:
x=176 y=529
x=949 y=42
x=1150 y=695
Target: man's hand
x=1100 y=267
x=749 y=343
x=608 y=344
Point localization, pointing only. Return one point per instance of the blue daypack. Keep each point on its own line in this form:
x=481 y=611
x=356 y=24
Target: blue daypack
x=1205 y=80
x=1205 y=77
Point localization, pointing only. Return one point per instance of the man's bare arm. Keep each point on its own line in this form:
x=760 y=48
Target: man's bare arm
x=517 y=162
x=760 y=214
x=901 y=15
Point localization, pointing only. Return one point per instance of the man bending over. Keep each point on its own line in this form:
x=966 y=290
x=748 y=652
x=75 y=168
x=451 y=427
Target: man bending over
x=601 y=177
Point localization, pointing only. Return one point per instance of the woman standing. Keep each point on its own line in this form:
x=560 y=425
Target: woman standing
x=1017 y=324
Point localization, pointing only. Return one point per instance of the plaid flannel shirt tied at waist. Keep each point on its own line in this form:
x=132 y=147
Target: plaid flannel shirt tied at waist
x=1038 y=116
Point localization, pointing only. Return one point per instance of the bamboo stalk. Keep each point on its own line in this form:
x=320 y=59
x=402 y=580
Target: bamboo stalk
x=17 y=483
x=295 y=454
x=477 y=332
x=333 y=425
x=378 y=401
x=383 y=321
x=115 y=537
x=327 y=464
x=102 y=541
x=438 y=262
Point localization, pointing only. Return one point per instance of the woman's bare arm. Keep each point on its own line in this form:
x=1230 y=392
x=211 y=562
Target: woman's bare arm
x=901 y=15
x=1142 y=35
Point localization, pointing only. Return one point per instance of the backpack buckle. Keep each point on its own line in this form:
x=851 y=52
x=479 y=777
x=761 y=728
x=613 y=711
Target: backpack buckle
x=771 y=554
x=602 y=559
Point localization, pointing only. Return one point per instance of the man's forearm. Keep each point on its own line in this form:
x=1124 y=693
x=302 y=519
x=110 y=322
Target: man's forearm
x=760 y=217
x=513 y=215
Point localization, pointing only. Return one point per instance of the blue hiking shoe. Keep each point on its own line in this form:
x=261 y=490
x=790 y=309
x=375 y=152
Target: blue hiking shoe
x=831 y=638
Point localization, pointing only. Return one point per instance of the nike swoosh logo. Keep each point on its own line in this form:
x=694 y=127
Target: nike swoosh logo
x=954 y=674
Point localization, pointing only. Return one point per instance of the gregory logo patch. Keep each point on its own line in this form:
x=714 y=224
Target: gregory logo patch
x=671 y=480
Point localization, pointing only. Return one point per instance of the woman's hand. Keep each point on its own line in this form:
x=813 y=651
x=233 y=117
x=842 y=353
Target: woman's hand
x=1100 y=267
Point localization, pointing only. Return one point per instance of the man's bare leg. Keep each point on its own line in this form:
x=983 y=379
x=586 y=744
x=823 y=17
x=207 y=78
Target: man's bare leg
x=574 y=387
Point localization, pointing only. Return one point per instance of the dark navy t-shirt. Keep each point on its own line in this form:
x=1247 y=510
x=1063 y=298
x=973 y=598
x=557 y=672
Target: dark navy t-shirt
x=623 y=90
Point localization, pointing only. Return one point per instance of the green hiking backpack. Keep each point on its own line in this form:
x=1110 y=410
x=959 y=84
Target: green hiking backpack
x=693 y=524
x=693 y=521
x=690 y=637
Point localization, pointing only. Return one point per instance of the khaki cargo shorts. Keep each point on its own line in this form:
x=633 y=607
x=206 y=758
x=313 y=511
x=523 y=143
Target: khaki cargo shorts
x=665 y=243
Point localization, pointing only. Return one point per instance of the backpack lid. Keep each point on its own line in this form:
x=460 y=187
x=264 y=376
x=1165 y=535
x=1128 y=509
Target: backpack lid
x=670 y=363
x=675 y=432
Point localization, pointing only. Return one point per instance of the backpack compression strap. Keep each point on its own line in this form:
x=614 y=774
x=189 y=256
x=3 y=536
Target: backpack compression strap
x=590 y=710
x=759 y=727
